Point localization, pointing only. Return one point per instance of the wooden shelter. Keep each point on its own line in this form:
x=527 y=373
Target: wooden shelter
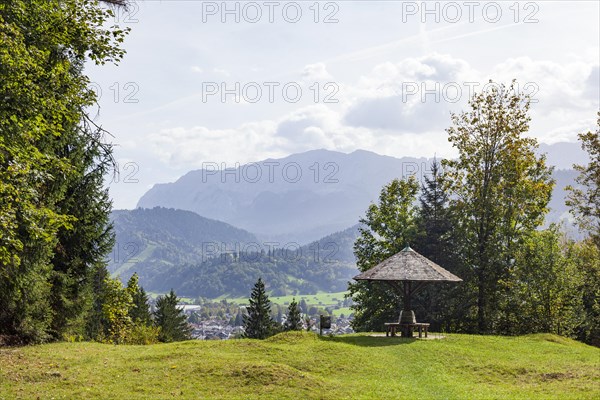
x=414 y=271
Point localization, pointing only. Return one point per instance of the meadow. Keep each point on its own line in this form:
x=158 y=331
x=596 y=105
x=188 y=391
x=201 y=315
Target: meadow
x=302 y=365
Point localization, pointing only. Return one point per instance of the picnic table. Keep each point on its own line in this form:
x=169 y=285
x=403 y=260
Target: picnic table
x=391 y=328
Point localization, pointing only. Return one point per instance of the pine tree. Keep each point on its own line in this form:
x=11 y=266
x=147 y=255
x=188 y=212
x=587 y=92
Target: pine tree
x=433 y=219
x=294 y=319
x=170 y=319
x=140 y=311
x=258 y=324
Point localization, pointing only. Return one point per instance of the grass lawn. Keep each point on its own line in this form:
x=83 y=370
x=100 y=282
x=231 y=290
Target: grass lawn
x=303 y=366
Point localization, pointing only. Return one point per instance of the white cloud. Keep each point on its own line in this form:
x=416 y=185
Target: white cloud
x=315 y=72
x=380 y=111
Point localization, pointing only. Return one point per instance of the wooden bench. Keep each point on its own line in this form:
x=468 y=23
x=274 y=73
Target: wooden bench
x=392 y=327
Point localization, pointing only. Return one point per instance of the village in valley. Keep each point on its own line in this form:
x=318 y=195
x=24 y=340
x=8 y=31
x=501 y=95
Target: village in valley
x=220 y=320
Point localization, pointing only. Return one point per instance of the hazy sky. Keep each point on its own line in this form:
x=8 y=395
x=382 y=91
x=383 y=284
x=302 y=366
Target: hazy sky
x=235 y=82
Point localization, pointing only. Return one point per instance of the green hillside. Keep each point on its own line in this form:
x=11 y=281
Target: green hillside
x=151 y=240
x=171 y=259
x=303 y=366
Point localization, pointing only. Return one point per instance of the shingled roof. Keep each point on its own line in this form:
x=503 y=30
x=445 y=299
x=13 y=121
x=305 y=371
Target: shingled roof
x=407 y=265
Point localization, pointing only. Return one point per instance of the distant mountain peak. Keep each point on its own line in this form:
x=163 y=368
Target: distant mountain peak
x=305 y=195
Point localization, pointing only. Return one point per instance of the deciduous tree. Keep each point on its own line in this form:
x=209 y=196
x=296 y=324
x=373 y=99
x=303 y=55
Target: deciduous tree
x=499 y=188
x=584 y=199
x=49 y=183
x=387 y=228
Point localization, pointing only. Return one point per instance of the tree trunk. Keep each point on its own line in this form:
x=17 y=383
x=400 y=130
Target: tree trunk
x=481 y=317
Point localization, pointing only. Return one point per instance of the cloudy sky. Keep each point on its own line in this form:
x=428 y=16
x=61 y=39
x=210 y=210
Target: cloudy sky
x=238 y=82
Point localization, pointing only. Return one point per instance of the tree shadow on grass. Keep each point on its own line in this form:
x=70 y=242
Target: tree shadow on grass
x=369 y=341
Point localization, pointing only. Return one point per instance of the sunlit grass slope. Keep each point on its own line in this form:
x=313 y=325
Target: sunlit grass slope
x=304 y=366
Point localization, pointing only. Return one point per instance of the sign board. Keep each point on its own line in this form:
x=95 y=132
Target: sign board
x=325 y=322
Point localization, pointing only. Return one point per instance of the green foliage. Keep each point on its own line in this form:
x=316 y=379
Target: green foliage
x=293 y=321
x=584 y=200
x=170 y=319
x=584 y=203
x=585 y=256
x=143 y=334
x=97 y=325
x=258 y=323
x=48 y=158
x=387 y=228
x=440 y=304
x=84 y=246
x=499 y=190
x=541 y=291
x=140 y=310
x=115 y=310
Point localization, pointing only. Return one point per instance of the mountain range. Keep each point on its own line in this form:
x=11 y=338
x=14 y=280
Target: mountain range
x=297 y=198
x=309 y=195
x=215 y=230
x=200 y=257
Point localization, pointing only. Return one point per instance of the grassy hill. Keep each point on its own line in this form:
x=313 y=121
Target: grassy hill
x=304 y=366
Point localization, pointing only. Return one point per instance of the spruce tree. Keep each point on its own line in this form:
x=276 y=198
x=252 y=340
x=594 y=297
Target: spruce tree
x=170 y=319
x=258 y=324
x=82 y=247
x=294 y=319
x=433 y=218
x=97 y=325
x=140 y=311
x=440 y=304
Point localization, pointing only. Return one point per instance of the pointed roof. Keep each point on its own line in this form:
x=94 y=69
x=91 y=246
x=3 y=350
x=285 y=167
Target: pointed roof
x=407 y=265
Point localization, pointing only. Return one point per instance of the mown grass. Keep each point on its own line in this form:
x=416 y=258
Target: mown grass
x=301 y=365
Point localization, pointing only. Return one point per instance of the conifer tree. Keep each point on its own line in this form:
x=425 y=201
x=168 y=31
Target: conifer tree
x=294 y=319
x=258 y=324
x=52 y=208
x=140 y=310
x=442 y=305
x=170 y=319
